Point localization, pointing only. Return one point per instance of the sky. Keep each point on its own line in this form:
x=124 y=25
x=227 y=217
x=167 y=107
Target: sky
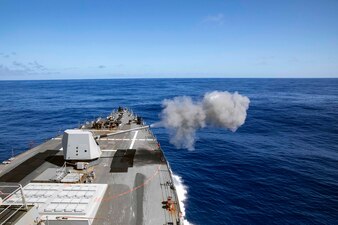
x=86 y=39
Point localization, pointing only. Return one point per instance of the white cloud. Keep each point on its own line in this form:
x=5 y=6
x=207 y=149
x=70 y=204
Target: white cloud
x=20 y=70
x=5 y=55
x=6 y=72
x=218 y=19
x=37 y=66
x=29 y=67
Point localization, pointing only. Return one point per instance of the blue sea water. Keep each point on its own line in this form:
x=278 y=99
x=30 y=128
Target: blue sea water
x=280 y=167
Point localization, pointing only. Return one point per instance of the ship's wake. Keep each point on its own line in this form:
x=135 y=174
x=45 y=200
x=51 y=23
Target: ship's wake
x=182 y=192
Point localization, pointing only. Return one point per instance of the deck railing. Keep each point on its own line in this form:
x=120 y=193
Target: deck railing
x=9 y=209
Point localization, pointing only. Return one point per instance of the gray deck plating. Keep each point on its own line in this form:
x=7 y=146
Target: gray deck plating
x=134 y=195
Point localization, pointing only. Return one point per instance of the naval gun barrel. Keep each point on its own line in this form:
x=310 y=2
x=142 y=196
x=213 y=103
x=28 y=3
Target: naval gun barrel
x=122 y=132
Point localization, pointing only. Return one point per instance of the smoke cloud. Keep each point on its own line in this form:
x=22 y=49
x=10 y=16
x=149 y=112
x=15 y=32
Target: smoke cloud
x=182 y=116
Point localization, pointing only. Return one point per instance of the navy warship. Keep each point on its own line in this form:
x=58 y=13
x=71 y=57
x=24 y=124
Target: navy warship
x=107 y=171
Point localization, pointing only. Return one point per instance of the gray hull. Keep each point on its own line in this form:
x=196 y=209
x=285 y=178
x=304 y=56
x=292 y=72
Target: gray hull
x=132 y=178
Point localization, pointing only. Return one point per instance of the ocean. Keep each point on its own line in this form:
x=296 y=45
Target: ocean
x=280 y=167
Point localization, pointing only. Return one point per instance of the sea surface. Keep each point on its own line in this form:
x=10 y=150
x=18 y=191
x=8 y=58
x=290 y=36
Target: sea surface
x=280 y=167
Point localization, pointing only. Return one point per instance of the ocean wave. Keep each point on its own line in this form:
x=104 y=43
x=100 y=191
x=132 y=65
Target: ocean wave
x=182 y=192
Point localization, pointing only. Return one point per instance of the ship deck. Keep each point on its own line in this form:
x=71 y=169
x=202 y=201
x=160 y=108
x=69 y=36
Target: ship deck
x=132 y=165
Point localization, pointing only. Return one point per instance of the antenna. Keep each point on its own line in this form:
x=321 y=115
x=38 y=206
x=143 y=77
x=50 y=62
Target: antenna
x=12 y=158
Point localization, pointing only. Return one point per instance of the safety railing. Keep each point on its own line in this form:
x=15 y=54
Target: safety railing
x=9 y=208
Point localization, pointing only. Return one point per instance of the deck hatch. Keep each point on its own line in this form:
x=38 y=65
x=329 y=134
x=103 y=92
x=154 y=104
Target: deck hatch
x=71 y=200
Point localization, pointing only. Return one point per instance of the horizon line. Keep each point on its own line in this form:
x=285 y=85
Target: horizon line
x=149 y=78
